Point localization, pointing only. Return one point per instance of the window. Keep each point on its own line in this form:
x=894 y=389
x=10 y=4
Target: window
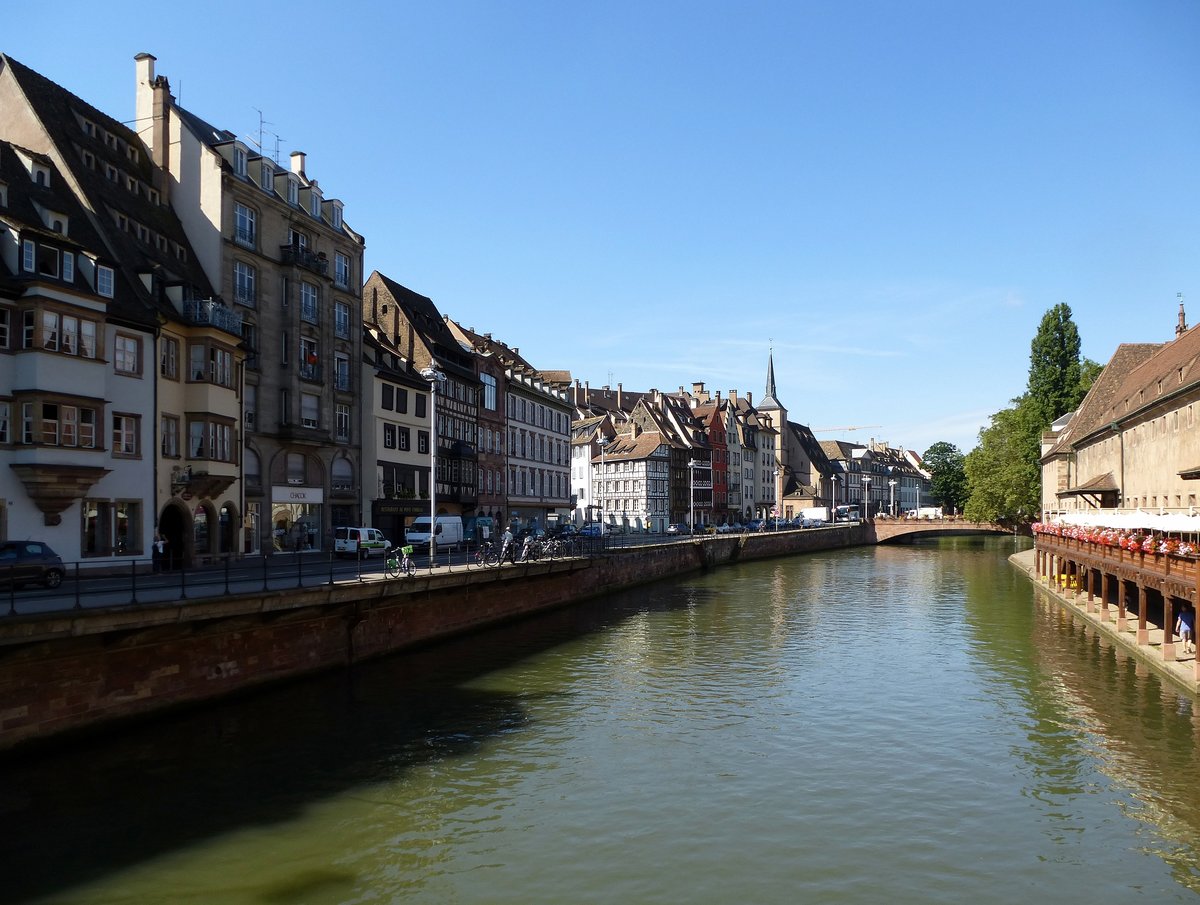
x=342 y=475
x=341 y=270
x=341 y=319
x=310 y=406
x=402 y=400
x=104 y=281
x=111 y=528
x=50 y=331
x=127 y=354
x=388 y=394
x=266 y=177
x=59 y=425
x=297 y=473
x=68 y=267
x=423 y=441
x=419 y=405
x=244 y=280
x=308 y=302
x=310 y=359
x=5 y=318
x=285 y=407
x=70 y=334
x=314 y=203
x=293 y=190
x=168 y=429
x=250 y=404
x=337 y=216
x=5 y=415
x=342 y=421
x=297 y=240
x=29 y=256
x=125 y=435
x=212 y=440
x=87 y=337
x=389 y=436
x=250 y=341
x=239 y=161
x=341 y=366
x=402 y=435
x=244 y=225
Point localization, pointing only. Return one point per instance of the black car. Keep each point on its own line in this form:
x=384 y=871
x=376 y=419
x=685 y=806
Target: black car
x=24 y=561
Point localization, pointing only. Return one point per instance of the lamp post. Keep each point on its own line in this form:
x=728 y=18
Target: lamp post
x=778 y=495
x=866 y=497
x=434 y=376
x=892 y=497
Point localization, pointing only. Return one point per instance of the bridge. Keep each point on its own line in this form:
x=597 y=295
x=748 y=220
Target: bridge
x=899 y=530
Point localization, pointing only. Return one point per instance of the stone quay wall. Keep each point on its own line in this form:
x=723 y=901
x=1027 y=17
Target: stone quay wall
x=79 y=670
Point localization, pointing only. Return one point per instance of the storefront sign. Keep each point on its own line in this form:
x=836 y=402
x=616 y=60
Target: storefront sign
x=297 y=494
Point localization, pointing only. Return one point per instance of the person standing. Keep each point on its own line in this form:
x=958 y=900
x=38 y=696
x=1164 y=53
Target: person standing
x=158 y=551
x=1185 y=628
x=506 y=545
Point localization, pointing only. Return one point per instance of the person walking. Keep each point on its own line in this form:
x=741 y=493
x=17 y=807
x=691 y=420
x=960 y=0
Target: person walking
x=506 y=545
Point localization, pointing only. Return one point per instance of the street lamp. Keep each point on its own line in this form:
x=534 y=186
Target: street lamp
x=892 y=496
x=434 y=376
x=778 y=495
x=866 y=497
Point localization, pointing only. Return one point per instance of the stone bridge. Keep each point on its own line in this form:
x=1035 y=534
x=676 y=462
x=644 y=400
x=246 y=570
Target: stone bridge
x=899 y=530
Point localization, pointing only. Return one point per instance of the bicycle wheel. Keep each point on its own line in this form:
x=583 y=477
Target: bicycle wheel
x=392 y=569
x=410 y=568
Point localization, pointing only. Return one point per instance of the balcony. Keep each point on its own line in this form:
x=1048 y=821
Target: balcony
x=302 y=257
x=310 y=372
x=210 y=313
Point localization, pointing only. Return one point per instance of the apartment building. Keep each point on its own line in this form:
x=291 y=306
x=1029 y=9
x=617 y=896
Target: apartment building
x=165 y=333
x=283 y=257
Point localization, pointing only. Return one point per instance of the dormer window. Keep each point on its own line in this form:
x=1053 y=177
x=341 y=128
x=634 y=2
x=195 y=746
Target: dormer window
x=314 y=202
x=41 y=175
x=104 y=281
x=293 y=190
x=68 y=266
x=239 y=161
x=41 y=259
x=267 y=177
x=337 y=216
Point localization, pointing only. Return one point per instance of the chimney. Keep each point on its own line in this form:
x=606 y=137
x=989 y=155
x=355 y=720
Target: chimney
x=750 y=399
x=153 y=112
x=634 y=430
x=619 y=405
x=733 y=396
x=298 y=164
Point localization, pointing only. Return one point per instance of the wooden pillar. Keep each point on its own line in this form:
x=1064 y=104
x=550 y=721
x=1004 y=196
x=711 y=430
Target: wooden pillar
x=1168 y=645
x=1122 y=607
x=1105 y=587
x=1087 y=584
x=1143 y=630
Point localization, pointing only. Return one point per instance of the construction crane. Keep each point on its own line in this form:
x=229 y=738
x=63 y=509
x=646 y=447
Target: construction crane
x=853 y=427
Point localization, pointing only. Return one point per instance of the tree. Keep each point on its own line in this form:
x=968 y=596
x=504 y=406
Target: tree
x=1055 y=374
x=1003 y=471
x=947 y=475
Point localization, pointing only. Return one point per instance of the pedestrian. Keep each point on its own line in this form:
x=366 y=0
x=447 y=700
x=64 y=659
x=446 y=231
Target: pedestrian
x=506 y=545
x=158 y=551
x=1185 y=628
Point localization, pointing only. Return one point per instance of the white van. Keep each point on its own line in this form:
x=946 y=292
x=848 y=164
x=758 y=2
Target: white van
x=364 y=542
x=449 y=531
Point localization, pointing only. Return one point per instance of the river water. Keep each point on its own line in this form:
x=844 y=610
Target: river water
x=894 y=724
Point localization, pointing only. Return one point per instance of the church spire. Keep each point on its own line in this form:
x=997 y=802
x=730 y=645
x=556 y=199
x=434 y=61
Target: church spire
x=1181 y=327
x=769 y=400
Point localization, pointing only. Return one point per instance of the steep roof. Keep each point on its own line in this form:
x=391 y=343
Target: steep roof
x=62 y=114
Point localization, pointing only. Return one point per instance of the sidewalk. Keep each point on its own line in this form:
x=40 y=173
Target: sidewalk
x=1181 y=670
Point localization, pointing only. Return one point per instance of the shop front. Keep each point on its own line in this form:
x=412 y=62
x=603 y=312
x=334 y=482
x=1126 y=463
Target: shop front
x=297 y=515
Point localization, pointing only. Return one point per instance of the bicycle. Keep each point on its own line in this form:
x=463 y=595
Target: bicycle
x=486 y=555
x=396 y=565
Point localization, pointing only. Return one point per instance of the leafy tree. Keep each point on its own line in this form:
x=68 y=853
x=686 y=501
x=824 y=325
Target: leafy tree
x=1003 y=470
x=1055 y=373
x=947 y=475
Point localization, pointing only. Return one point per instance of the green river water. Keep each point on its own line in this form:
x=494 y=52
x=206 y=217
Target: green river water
x=893 y=724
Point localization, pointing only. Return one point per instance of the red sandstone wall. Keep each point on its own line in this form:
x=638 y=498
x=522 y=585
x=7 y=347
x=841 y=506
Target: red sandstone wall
x=72 y=671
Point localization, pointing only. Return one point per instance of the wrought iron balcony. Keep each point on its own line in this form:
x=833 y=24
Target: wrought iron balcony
x=208 y=312
x=302 y=257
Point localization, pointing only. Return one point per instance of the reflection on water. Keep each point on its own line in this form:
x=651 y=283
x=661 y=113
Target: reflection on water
x=902 y=724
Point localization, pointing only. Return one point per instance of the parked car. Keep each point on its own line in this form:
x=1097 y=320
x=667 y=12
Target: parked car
x=679 y=528
x=24 y=561
x=754 y=525
x=591 y=530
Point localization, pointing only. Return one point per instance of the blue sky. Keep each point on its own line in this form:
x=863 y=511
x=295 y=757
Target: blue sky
x=889 y=194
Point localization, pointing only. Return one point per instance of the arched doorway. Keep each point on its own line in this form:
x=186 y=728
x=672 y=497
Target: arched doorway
x=175 y=525
x=228 y=524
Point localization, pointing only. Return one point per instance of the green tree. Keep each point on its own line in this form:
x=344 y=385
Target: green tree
x=1055 y=372
x=947 y=475
x=1003 y=471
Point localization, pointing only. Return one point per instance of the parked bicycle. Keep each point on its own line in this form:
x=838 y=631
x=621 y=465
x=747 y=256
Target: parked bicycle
x=399 y=562
x=486 y=555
